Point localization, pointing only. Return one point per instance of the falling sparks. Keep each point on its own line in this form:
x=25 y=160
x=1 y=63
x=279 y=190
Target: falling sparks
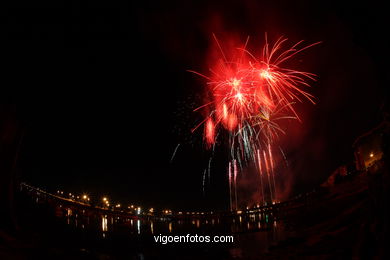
x=174 y=152
x=210 y=131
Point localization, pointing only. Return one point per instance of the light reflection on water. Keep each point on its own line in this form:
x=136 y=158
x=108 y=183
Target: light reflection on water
x=139 y=226
x=253 y=234
x=104 y=223
x=238 y=224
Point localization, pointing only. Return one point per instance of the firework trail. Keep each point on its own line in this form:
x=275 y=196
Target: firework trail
x=268 y=176
x=230 y=186
x=248 y=95
x=209 y=170
x=203 y=181
x=261 y=175
x=284 y=156
x=235 y=182
x=272 y=167
x=174 y=152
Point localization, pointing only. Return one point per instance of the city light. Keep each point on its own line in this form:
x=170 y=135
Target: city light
x=83 y=197
x=167 y=211
x=133 y=209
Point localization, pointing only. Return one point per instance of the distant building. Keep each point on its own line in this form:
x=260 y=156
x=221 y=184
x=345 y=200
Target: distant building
x=368 y=149
x=371 y=146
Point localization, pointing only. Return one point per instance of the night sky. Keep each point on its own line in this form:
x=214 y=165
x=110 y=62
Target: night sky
x=103 y=93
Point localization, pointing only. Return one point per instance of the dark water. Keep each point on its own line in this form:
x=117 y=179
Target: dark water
x=68 y=232
x=253 y=235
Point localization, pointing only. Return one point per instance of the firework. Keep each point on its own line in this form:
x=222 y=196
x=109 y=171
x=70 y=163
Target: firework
x=261 y=175
x=230 y=186
x=174 y=152
x=235 y=182
x=247 y=97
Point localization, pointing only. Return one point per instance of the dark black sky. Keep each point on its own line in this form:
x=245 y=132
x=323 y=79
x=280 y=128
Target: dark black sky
x=103 y=94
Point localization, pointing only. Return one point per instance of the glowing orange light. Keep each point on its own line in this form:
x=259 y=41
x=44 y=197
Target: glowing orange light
x=232 y=122
x=210 y=131
x=225 y=111
x=235 y=82
x=265 y=74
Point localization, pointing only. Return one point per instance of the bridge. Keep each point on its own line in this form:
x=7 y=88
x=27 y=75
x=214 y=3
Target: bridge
x=66 y=206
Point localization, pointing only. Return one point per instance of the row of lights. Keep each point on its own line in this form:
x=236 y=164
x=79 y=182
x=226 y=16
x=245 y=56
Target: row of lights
x=72 y=196
x=106 y=203
x=138 y=209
